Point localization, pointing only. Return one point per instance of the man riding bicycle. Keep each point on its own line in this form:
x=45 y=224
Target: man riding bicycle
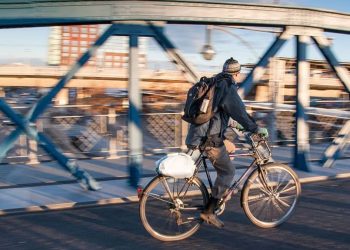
x=210 y=135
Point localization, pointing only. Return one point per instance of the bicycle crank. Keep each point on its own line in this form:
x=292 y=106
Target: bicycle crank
x=219 y=210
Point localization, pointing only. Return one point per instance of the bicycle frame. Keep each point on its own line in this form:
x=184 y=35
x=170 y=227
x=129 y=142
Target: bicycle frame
x=259 y=160
x=237 y=185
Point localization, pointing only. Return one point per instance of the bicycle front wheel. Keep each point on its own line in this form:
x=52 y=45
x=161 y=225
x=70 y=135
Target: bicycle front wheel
x=170 y=208
x=270 y=195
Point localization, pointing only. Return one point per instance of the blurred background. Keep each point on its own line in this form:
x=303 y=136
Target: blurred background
x=89 y=117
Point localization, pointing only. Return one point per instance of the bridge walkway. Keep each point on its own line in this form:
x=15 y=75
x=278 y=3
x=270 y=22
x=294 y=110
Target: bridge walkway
x=46 y=186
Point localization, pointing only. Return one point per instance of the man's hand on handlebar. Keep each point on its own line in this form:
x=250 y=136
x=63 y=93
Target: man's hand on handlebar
x=234 y=124
x=263 y=132
x=239 y=127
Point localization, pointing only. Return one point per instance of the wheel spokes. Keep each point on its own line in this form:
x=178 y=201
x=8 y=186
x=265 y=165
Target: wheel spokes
x=262 y=187
x=283 y=202
x=272 y=194
x=158 y=197
x=172 y=207
x=285 y=189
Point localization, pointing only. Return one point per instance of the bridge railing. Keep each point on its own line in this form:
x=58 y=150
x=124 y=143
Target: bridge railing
x=83 y=135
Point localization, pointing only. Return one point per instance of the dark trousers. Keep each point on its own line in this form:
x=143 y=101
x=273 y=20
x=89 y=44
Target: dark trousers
x=224 y=168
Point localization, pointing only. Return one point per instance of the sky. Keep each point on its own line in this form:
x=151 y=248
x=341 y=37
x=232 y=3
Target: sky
x=30 y=45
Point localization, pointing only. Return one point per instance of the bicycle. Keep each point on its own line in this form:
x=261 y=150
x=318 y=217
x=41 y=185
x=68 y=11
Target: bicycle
x=169 y=208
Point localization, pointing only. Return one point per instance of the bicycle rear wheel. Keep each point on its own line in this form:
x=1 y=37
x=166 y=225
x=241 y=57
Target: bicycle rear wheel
x=270 y=195
x=170 y=208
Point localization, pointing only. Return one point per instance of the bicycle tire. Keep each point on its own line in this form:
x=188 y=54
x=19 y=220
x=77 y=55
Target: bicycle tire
x=153 y=210
x=276 y=201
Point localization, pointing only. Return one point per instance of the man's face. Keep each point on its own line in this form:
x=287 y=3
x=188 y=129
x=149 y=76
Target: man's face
x=236 y=77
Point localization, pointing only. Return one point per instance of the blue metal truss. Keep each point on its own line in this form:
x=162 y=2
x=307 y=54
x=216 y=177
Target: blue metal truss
x=134 y=121
x=27 y=124
x=301 y=149
x=248 y=83
x=339 y=143
x=326 y=51
x=334 y=151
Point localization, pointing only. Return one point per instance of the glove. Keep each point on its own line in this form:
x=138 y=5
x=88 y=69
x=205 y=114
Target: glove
x=239 y=127
x=234 y=124
x=263 y=132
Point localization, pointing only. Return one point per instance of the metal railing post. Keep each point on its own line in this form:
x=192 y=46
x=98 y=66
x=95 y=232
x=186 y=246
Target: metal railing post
x=23 y=143
x=277 y=71
x=184 y=131
x=112 y=120
x=33 y=145
x=178 y=130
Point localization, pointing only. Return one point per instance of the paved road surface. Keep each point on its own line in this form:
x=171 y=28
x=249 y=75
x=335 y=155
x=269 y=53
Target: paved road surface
x=321 y=221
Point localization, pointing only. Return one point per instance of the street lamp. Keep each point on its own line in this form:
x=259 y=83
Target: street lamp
x=208 y=51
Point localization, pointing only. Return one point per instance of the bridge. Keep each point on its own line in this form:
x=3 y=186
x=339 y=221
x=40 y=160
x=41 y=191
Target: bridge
x=322 y=204
x=122 y=136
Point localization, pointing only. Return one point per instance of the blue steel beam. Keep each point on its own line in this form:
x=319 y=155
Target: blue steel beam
x=45 y=101
x=258 y=71
x=135 y=98
x=117 y=29
x=135 y=106
x=301 y=149
x=333 y=152
x=85 y=180
x=324 y=45
x=339 y=143
x=135 y=130
x=30 y=13
x=25 y=125
x=128 y=29
x=174 y=54
x=9 y=140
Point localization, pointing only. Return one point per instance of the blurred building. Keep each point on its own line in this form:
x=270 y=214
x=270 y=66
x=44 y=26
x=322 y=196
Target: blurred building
x=67 y=43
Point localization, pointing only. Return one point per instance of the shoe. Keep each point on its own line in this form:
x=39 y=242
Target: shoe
x=209 y=216
x=212 y=219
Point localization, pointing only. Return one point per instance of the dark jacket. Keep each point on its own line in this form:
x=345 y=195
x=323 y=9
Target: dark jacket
x=228 y=104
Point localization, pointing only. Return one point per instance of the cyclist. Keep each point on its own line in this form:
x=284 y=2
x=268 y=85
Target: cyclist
x=209 y=136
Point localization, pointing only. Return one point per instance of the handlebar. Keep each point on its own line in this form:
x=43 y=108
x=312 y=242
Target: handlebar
x=260 y=146
x=260 y=149
x=255 y=137
x=251 y=136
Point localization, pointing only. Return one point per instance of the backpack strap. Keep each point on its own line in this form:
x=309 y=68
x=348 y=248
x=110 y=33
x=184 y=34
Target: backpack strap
x=207 y=134
x=218 y=98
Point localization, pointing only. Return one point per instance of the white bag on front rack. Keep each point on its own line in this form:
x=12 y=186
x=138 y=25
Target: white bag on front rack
x=177 y=165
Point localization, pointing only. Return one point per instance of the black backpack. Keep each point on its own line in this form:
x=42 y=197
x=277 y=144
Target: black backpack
x=199 y=106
